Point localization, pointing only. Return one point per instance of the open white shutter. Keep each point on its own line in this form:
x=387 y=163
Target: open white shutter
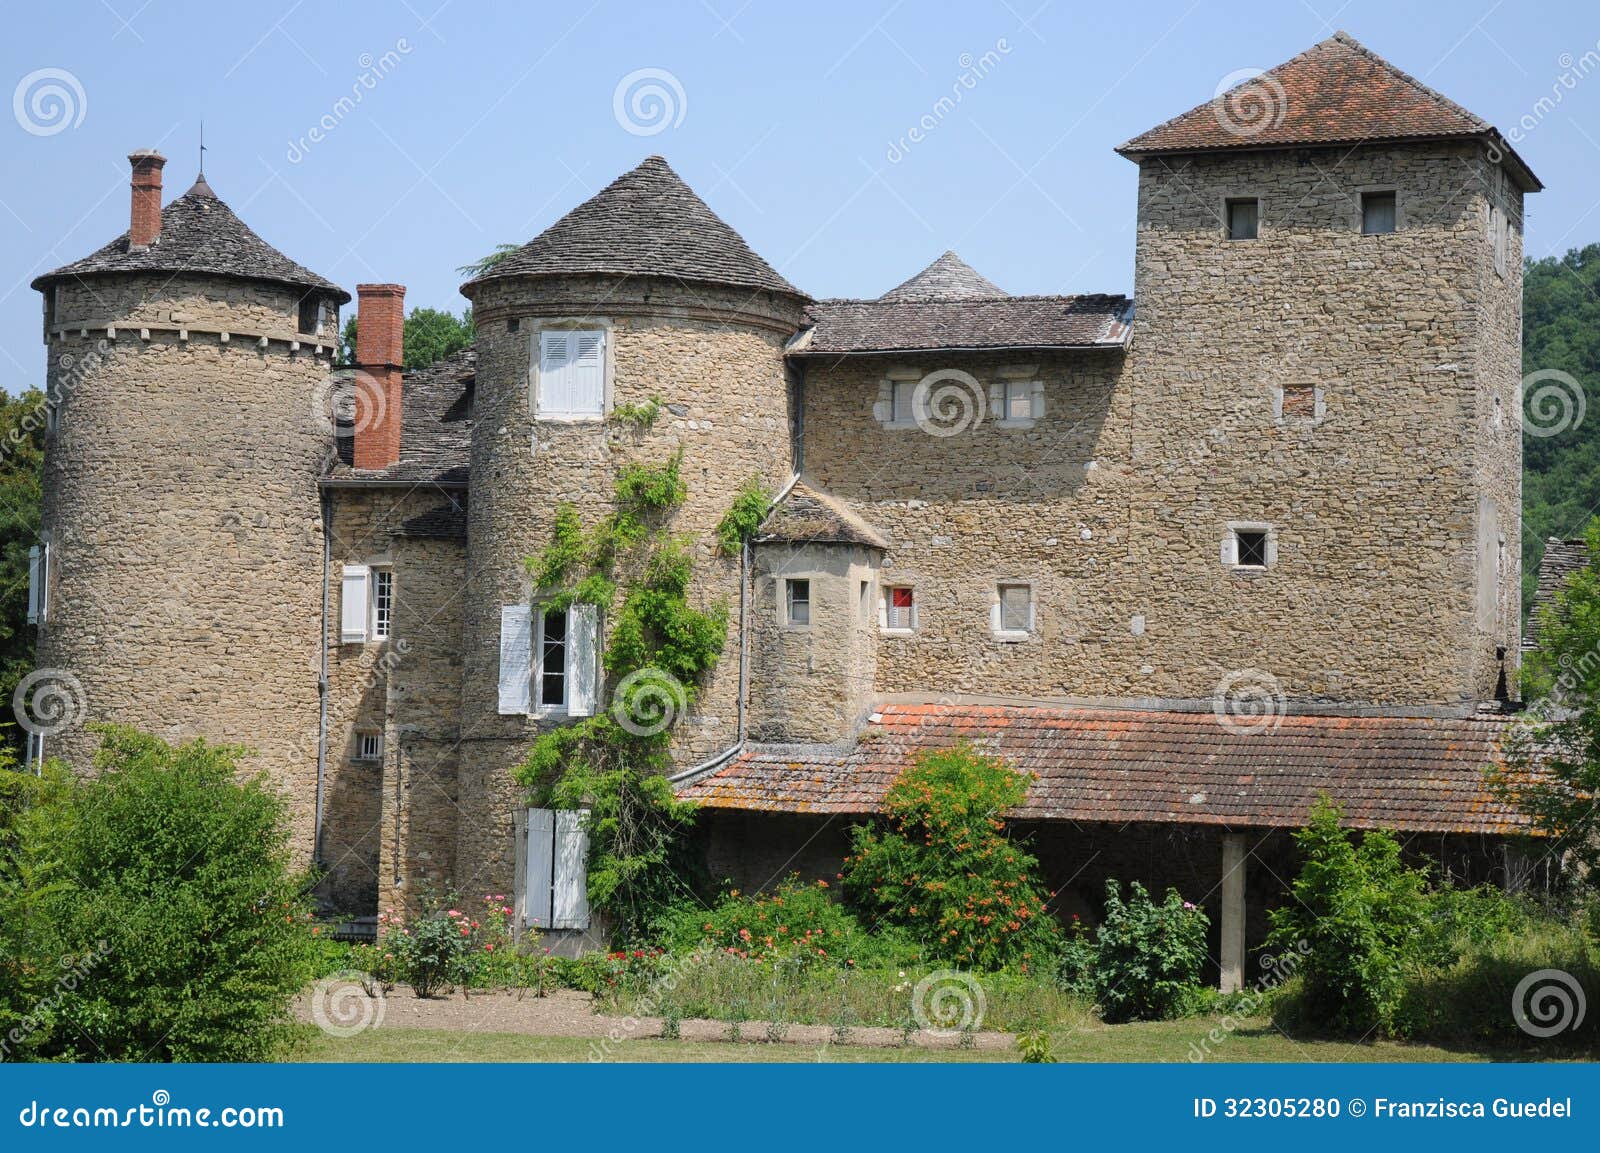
x=1230 y=549
x=554 y=373
x=541 y=863
x=570 y=897
x=353 y=604
x=35 y=583
x=587 y=376
x=516 y=657
x=583 y=636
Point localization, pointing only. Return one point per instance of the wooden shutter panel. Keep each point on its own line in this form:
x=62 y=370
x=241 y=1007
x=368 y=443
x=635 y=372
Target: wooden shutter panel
x=554 y=371
x=35 y=584
x=1036 y=400
x=588 y=374
x=353 y=604
x=1230 y=548
x=516 y=657
x=570 y=885
x=541 y=867
x=583 y=635
x=883 y=407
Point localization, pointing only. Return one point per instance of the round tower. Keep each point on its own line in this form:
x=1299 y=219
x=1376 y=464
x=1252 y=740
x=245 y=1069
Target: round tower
x=639 y=293
x=181 y=550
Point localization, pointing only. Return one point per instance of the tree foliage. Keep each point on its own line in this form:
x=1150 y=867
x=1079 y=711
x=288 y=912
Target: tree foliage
x=430 y=335
x=22 y=428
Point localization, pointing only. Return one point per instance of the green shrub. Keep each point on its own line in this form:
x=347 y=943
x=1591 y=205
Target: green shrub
x=1148 y=957
x=446 y=946
x=1361 y=914
x=744 y=516
x=1075 y=960
x=168 y=885
x=940 y=865
x=794 y=922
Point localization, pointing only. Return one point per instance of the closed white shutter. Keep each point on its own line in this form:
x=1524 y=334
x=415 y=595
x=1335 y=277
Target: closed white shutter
x=570 y=898
x=353 y=604
x=1230 y=548
x=1036 y=400
x=583 y=634
x=554 y=371
x=588 y=374
x=516 y=657
x=35 y=583
x=541 y=866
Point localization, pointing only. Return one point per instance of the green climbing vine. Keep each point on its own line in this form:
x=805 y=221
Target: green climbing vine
x=744 y=516
x=659 y=651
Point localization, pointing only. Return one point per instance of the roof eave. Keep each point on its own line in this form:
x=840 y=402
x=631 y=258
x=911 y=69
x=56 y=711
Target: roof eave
x=1118 y=344
x=46 y=279
x=791 y=291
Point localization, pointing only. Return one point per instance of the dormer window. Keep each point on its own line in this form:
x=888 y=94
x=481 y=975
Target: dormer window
x=1243 y=218
x=310 y=320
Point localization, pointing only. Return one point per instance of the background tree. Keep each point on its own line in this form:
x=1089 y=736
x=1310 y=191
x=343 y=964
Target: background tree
x=478 y=267
x=22 y=425
x=430 y=335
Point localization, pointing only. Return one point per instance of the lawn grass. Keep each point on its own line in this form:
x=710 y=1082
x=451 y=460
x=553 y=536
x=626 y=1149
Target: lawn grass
x=1145 y=1041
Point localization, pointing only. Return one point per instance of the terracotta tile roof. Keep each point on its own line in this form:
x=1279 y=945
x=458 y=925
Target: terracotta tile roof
x=647 y=222
x=1336 y=92
x=808 y=515
x=835 y=327
x=199 y=234
x=1561 y=559
x=1119 y=765
x=949 y=276
x=435 y=425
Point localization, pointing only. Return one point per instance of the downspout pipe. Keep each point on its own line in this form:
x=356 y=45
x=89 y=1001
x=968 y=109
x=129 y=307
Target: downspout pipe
x=322 y=676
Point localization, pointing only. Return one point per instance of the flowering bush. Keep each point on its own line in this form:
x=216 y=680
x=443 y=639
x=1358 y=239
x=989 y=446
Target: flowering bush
x=446 y=947
x=941 y=865
x=796 y=921
x=1148 y=956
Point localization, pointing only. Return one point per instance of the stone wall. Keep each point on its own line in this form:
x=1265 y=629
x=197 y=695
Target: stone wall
x=200 y=304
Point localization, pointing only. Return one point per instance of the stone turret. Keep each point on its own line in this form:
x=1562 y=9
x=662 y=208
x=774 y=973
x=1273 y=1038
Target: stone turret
x=187 y=362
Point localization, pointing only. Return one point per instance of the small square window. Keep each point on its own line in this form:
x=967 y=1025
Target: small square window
x=1243 y=219
x=1252 y=545
x=369 y=747
x=310 y=320
x=797 y=603
x=1018 y=400
x=899 y=609
x=1377 y=212
x=905 y=393
x=1015 y=609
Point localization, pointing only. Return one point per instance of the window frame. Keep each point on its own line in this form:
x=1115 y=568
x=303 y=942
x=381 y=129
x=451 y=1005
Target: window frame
x=310 y=304
x=886 y=603
x=998 y=618
x=790 y=586
x=537 y=374
x=1393 y=196
x=361 y=753
x=1228 y=205
x=542 y=613
x=1231 y=550
x=375 y=615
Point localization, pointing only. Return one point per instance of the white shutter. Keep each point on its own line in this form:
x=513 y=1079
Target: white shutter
x=554 y=366
x=1036 y=400
x=998 y=409
x=583 y=633
x=353 y=604
x=570 y=883
x=587 y=375
x=997 y=613
x=1230 y=548
x=883 y=407
x=35 y=584
x=516 y=657
x=541 y=862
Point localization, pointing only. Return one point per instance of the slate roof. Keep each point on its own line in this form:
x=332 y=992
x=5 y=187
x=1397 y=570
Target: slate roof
x=1336 y=92
x=949 y=276
x=199 y=234
x=445 y=522
x=647 y=222
x=435 y=426
x=843 y=327
x=1120 y=765
x=1561 y=559
x=805 y=515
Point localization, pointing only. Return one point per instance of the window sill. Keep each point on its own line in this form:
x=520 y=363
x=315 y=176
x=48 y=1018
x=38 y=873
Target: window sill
x=1023 y=425
x=569 y=418
x=1011 y=636
x=897 y=425
x=898 y=632
x=1249 y=569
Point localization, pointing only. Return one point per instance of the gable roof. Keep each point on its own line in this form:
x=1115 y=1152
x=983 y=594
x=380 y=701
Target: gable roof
x=1561 y=559
x=805 y=515
x=844 y=327
x=199 y=234
x=949 y=276
x=1335 y=92
x=1104 y=764
x=647 y=222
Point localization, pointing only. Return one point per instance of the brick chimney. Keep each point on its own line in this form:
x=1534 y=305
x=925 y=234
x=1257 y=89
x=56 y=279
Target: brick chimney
x=380 y=331
x=146 y=222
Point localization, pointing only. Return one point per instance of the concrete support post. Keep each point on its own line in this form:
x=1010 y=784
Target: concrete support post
x=1233 y=856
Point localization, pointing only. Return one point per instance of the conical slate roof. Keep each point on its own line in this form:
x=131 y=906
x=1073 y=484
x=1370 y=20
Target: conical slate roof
x=647 y=222
x=199 y=234
x=1335 y=92
x=947 y=277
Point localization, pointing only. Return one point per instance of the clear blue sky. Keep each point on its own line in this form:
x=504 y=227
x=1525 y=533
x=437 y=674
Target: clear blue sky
x=493 y=119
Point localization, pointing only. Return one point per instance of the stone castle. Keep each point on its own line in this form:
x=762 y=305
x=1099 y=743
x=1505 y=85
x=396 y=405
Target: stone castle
x=1192 y=558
